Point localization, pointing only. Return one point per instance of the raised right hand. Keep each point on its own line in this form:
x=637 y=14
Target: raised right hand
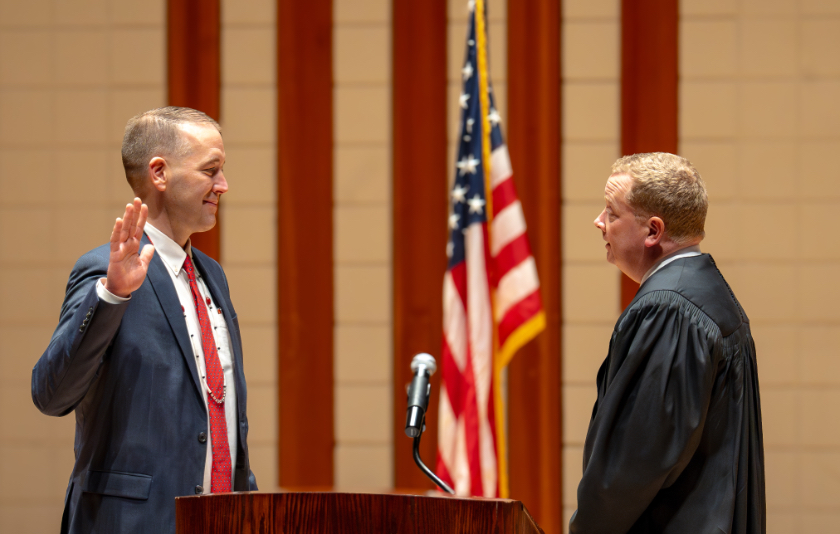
x=127 y=268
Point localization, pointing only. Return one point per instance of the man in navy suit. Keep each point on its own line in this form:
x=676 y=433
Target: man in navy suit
x=147 y=351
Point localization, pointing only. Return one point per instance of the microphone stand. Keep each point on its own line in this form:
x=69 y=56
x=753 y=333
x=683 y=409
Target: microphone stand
x=426 y=471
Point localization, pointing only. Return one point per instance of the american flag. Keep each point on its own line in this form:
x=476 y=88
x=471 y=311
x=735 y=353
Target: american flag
x=491 y=299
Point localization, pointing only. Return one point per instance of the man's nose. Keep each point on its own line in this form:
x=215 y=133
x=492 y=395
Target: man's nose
x=599 y=220
x=221 y=185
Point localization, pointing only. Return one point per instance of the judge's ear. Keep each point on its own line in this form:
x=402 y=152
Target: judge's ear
x=158 y=173
x=656 y=231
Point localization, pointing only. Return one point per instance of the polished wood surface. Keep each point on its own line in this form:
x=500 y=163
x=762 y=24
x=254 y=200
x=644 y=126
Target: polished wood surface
x=305 y=242
x=419 y=215
x=533 y=137
x=348 y=513
x=649 y=85
x=194 y=76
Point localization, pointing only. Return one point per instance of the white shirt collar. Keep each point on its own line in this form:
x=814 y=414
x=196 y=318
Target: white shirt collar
x=170 y=252
x=686 y=252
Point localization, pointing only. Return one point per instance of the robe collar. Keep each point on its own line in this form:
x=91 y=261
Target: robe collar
x=686 y=252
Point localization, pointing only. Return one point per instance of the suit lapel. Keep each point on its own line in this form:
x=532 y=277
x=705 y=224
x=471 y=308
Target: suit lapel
x=162 y=285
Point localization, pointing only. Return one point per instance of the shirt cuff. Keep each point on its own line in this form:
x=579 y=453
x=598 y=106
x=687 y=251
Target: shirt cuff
x=106 y=296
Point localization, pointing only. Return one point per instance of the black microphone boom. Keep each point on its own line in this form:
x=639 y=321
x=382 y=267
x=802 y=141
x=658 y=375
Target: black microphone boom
x=423 y=366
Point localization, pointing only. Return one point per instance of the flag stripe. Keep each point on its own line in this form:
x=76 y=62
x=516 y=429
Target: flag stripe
x=504 y=194
x=517 y=284
x=518 y=314
x=500 y=168
x=509 y=225
x=514 y=253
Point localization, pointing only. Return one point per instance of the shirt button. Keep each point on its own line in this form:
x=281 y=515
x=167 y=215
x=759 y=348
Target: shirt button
x=199 y=490
x=202 y=437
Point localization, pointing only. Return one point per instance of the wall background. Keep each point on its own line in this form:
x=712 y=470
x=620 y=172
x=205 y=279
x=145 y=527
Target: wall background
x=759 y=105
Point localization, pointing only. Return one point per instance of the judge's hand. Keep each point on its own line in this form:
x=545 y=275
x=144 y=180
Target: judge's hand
x=126 y=267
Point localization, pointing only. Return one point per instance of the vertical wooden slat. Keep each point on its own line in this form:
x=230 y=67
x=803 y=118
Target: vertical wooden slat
x=533 y=136
x=419 y=213
x=305 y=242
x=649 y=76
x=194 y=75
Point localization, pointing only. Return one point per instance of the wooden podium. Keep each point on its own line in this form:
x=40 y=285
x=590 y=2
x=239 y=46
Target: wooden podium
x=348 y=513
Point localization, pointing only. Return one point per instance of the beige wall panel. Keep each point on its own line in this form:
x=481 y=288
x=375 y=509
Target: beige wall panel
x=248 y=289
x=362 y=175
x=724 y=231
x=248 y=56
x=783 y=406
x=778 y=346
x=260 y=348
x=249 y=171
x=362 y=234
x=363 y=414
x=362 y=354
x=768 y=291
x=25 y=57
x=820 y=7
x=81 y=57
x=262 y=415
x=27 y=117
x=820 y=108
x=598 y=57
x=247 y=12
x=576 y=422
x=24 y=176
x=583 y=241
x=80 y=12
x=20 y=346
x=709 y=48
x=783 y=473
x=138 y=57
x=816 y=430
x=361 y=11
x=362 y=294
x=815 y=244
x=249 y=234
x=769 y=7
x=81 y=117
x=248 y=114
x=362 y=54
x=590 y=9
x=584 y=350
x=816 y=169
x=591 y=293
x=707 y=110
x=768 y=238
x=708 y=7
x=586 y=167
x=769 y=47
x=591 y=111
x=362 y=114
x=766 y=110
x=572 y=471
x=364 y=467
x=32 y=13
x=84 y=178
x=32 y=289
x=31 y=226
x=717 y=162
x=768 y=169
x=820 y=288
x=819 y=522
x=820 y=364
x=821 y=473
x=132 y=12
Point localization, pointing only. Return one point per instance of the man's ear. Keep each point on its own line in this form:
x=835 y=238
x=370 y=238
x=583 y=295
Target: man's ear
x=656 y=231
x=158 y=171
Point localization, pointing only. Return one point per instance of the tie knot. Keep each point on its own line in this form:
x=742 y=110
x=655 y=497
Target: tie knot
x=188 y=266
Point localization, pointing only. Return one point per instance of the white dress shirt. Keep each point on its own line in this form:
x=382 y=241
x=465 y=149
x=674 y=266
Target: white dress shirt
x=173 y=257
x=686 y=252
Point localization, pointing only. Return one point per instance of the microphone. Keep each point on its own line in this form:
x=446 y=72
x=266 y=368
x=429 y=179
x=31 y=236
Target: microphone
x=423 y=366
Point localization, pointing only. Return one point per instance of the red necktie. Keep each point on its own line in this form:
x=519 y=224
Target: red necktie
x=220 y=474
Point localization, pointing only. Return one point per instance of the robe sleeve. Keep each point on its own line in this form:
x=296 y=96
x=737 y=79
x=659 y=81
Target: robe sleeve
x=651 y=409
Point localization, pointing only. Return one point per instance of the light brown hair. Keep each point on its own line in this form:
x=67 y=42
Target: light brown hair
x=155 y=133
x=669 y=187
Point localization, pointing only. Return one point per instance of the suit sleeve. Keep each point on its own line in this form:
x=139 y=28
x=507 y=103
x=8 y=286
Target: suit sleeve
x=86 y=327
x=650 y=414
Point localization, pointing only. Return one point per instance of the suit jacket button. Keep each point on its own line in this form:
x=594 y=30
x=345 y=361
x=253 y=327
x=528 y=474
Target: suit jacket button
x=199 y=490
x=202 y=437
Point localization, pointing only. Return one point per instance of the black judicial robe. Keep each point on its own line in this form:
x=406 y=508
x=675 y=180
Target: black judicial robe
x=675 y=441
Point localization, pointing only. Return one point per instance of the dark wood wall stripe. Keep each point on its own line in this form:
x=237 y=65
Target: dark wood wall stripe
x=193 y=75
x=305 y=242
x=649 y=76
x=533 y=137
x=419 y=213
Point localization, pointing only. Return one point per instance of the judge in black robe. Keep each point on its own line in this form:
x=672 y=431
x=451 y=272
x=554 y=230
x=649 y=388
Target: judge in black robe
x=675 y=441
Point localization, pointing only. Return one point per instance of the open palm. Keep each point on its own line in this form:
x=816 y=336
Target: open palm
x=128 y=265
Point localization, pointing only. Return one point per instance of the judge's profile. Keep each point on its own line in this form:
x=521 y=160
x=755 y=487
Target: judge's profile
x=147 y=353
x=675 y=441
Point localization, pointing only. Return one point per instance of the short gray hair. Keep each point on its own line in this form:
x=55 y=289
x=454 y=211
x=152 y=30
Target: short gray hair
x=669 y=187
x=155 y=133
